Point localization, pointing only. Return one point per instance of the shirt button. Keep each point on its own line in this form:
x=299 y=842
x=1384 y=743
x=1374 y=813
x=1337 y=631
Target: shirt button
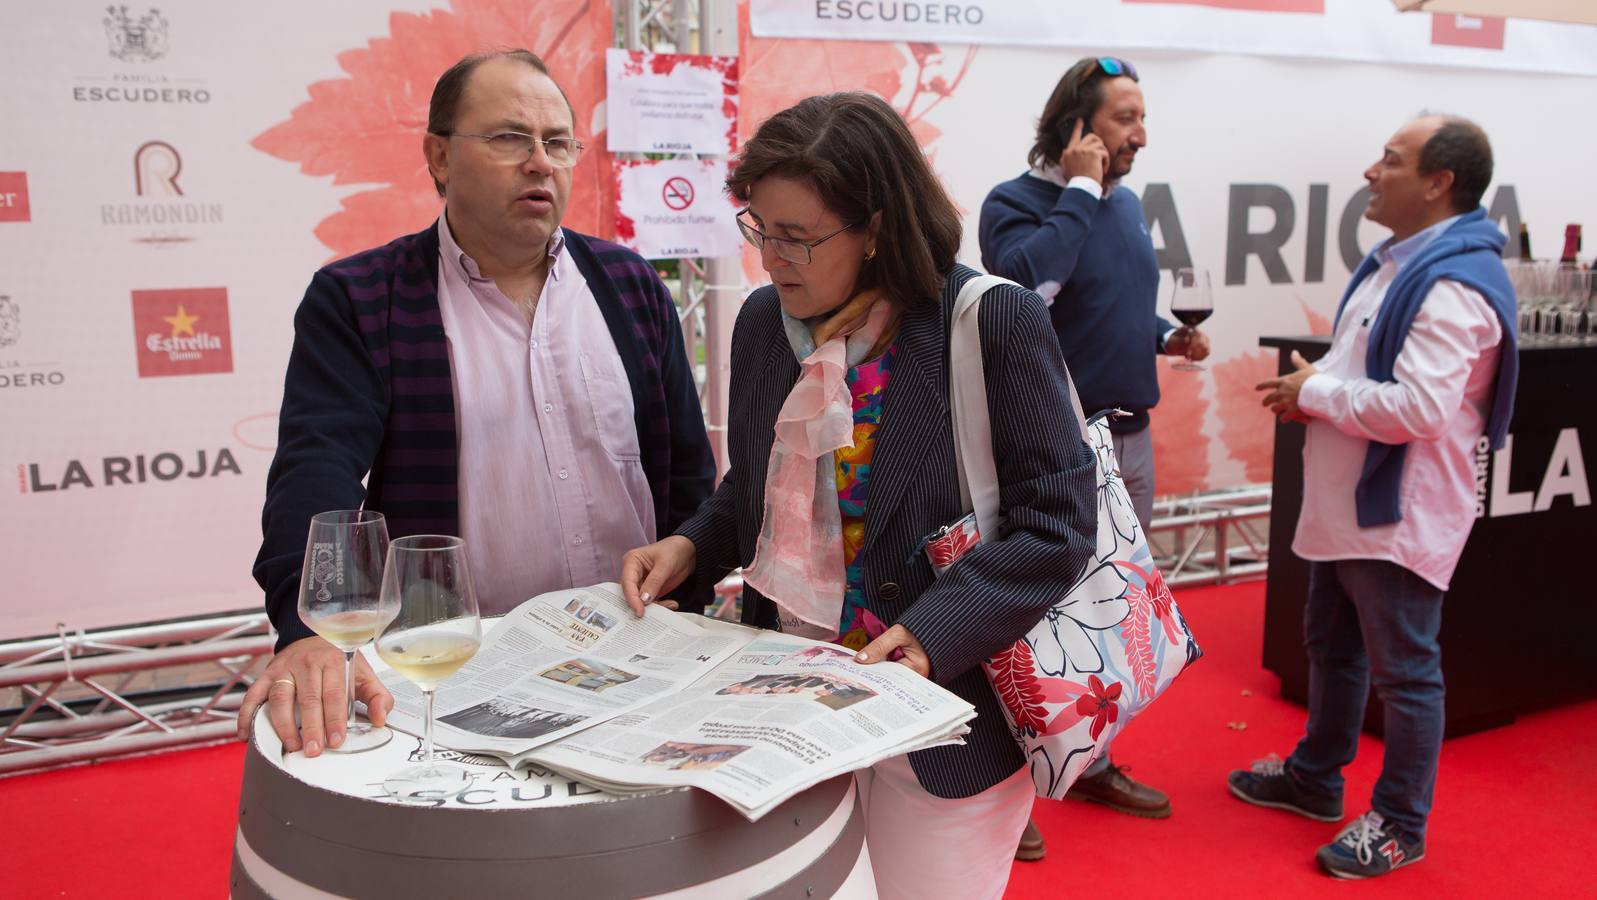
x=564 y=475
x=534 y=345
x=548 y=407
x=577 y=541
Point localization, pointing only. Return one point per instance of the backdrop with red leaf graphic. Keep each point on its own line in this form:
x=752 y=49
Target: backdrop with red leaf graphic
x=169 y=189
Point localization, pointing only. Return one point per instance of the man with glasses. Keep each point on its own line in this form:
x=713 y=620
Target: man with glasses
x=1066 y=230
x=494 y=376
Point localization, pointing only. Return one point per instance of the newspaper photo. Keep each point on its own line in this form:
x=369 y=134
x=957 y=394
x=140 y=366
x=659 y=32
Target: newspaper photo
x=782 y=714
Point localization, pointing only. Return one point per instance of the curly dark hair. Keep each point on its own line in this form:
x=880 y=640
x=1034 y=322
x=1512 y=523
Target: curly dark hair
x=858 y=155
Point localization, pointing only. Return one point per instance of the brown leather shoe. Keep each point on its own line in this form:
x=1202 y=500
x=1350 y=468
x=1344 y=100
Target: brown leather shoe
x=1031 y=846
x=1114 y=789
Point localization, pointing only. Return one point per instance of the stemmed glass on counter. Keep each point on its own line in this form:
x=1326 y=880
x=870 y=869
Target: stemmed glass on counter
x=433 y=631
x=1555 y=302
x=1191 y=303
x=339 y=592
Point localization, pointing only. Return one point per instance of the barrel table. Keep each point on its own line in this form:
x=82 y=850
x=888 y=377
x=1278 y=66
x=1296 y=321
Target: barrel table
x=324 y=828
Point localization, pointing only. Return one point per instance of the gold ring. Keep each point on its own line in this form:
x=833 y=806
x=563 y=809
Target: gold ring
x=287 y=681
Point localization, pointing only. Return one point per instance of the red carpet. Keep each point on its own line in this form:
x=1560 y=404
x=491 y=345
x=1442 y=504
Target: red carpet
x=1513 y=809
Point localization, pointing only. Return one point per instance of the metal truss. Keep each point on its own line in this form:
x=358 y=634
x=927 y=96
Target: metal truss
x=57 y=677
x=1212 y=538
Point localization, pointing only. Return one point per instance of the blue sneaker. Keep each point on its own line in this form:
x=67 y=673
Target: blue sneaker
x=1268 y=783
x=1370 y=846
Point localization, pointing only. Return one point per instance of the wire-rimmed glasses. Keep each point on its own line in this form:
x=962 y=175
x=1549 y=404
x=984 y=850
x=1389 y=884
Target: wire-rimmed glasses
x=516 y=146
x=799 y=253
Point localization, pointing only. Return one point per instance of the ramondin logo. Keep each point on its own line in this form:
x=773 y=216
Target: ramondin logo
x=141 y=39
x=156 y=166
x=182 y=332
x=163 y=212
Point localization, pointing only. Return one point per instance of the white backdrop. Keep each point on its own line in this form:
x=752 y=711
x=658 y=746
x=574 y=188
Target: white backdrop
x=305 y=147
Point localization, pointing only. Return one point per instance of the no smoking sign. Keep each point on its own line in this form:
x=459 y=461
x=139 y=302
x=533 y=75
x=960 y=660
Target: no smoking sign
x=677 y=193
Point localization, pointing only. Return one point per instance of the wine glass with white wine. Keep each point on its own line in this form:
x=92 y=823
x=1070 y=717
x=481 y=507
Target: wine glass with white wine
x=339 y=590
x=1191 y=302
x=434 y=630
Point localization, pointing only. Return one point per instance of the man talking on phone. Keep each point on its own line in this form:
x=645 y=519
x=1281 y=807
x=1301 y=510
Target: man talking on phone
x=1068 y=231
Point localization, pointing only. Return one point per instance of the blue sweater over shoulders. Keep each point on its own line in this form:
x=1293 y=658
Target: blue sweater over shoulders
x=1099 y=254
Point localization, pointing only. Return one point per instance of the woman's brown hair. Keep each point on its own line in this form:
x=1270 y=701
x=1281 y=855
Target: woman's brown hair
x=860 y=158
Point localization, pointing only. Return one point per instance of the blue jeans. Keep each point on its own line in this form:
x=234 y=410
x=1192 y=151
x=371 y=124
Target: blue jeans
x=1370 y=620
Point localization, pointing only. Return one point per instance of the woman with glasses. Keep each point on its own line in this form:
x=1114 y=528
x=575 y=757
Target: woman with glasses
x=842 y=462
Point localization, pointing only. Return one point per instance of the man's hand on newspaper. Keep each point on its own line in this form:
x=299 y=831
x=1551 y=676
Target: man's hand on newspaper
x=648 y=573
x=312 y=670
x=897 y=638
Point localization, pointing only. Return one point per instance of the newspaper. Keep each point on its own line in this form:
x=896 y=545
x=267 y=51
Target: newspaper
x=633 y=705
x=557 y=664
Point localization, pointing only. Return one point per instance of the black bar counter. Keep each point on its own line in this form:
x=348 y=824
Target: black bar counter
x=1519 y=625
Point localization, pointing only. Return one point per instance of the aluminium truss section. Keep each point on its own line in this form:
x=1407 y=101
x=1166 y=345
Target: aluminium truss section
x=1219 y=537
x=55 y=678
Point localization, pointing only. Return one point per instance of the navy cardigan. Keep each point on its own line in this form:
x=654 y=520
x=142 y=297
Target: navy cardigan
x=369 y=394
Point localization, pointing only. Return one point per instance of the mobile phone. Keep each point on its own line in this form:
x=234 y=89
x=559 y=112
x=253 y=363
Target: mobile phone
x=1067 y=127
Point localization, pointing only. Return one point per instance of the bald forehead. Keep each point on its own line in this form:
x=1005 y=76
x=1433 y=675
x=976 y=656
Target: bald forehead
x=1413 y=136
x=510 y=92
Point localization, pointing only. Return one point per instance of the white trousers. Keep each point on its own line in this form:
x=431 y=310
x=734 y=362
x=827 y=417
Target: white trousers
x=925 y=847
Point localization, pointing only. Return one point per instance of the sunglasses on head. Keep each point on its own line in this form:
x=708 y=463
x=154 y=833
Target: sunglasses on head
x=1114 y=67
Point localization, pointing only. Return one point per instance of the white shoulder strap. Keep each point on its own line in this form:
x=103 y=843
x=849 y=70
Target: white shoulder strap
x=967 y=394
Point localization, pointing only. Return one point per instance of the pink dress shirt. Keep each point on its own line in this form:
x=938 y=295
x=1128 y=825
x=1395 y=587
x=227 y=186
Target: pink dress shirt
x=552 y=491
x=1446 y=373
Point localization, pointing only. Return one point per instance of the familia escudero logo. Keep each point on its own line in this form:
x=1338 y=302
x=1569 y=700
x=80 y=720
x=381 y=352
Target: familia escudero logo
x=19 y=372
x=138 y=44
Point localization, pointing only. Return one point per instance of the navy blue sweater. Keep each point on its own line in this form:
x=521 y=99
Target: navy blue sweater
x=1099 y=253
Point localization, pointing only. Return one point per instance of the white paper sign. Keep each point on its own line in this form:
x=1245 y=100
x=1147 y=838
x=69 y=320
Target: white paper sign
x=671 y=102
x=667 y=209
x=1366 y=30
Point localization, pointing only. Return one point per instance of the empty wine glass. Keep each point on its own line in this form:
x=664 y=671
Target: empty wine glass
x=433 y=631
x=339 y=590
x=1191 y=303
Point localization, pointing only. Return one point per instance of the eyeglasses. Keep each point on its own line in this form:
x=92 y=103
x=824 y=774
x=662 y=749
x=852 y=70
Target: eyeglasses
x=799 y=253
x=513 y=146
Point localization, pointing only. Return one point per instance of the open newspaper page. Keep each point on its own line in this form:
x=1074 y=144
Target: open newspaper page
x=557 y=664
x=782 y=714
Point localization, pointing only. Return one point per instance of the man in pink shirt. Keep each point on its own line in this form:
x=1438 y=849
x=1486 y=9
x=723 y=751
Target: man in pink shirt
x=1422 y=363
x=494 y=376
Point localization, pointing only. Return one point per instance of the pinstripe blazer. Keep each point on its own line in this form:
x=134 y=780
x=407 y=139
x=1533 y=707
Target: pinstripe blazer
x=998 y=590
